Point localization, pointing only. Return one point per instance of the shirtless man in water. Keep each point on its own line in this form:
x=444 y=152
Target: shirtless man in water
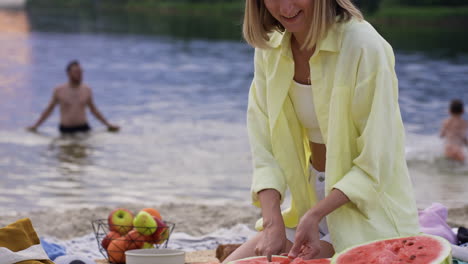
x=73 y=98
x=454 y=130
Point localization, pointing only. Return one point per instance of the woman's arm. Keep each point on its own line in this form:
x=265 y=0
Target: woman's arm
x=266 y=172
x=268 y=182
x=306 y=244
x=273 y=240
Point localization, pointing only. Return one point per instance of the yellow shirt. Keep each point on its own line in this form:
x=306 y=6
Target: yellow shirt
x=356 y=100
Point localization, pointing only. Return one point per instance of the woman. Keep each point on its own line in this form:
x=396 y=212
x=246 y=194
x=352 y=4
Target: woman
x=324 y=101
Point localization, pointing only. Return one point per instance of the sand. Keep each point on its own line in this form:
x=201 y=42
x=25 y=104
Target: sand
x=202 y=256
x=193 y=219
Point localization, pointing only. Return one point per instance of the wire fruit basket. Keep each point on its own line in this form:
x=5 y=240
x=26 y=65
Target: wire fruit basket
x=135 y=238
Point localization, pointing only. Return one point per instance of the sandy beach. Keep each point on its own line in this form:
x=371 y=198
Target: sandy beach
x=193 y=219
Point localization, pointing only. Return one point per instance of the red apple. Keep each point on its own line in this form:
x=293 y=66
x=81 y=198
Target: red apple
x=156 y=237
x=164 y=236
x=120 y=220
x=109 y=237
x=136 y=239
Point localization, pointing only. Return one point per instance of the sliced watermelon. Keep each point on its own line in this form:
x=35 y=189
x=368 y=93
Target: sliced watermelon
x=312 y=261
x=424 y=249
x=262 y=260
x=279 y=260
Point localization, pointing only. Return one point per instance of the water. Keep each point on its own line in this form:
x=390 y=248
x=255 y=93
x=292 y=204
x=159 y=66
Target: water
x=180 y=100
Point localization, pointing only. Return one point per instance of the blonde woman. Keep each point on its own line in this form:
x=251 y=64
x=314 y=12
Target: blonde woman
x=324 y=122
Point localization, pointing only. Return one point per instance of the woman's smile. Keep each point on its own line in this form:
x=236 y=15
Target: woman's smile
x=290 y=19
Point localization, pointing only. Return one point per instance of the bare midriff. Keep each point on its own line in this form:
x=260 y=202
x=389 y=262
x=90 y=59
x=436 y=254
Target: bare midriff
x=318 y=158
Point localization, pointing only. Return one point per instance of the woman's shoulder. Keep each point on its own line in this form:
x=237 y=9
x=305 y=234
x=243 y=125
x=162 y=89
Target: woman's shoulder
x=360 y=34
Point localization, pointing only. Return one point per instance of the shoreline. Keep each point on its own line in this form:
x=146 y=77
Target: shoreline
x=393 y=15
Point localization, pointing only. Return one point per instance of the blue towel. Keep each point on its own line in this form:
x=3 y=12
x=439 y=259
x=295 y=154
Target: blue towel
x=53 y=250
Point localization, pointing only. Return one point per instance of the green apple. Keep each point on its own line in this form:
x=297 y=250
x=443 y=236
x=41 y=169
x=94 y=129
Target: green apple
x=120 y=220
x=144 y=223
x=147 y=245
x=164 y=236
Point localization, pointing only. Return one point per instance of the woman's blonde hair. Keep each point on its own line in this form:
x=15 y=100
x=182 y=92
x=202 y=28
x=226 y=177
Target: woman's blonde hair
x=258 y=22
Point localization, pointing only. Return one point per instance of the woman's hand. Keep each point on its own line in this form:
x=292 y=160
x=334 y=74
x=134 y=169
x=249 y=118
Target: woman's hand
x=307 y=241
x=272 y=241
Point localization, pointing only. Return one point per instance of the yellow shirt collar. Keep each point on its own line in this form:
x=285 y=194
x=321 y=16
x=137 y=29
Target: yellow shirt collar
x=331 y=42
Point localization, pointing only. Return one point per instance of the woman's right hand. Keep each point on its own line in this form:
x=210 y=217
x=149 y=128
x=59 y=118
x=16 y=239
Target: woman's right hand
x=273 y=239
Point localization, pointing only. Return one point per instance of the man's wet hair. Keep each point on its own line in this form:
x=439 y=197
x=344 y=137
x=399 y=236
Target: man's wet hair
x=456 y=107
x=71 y=64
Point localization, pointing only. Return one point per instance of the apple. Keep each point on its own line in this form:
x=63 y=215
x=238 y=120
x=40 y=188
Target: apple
x=147 y=245
x=164 y=236
x=144 y=223
x=152 y=212
x=136 y=239
x=156 y=236
x=120 y=220
x=109 y=237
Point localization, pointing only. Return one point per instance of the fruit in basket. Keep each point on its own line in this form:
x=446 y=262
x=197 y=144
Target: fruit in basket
x=116 y=250
x=120 y=220
x=152 y=212
x=135 y=239
x=156 y=236
x=164 y=236
x=109 y=237
x=147 y=245
x=144 y=223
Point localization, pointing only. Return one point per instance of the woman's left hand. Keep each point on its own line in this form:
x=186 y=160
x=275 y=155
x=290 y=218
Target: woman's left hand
x=307 y=240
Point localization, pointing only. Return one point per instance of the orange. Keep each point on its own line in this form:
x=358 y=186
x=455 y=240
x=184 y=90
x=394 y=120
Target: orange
x=116 y=250
x=153 y=212
x=108 y=239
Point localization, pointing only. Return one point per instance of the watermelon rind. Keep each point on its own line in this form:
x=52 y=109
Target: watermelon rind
x=256 y=257
x=445 y=256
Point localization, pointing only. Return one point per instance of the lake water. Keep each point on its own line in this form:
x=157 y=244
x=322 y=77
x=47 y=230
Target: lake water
x=180 y=95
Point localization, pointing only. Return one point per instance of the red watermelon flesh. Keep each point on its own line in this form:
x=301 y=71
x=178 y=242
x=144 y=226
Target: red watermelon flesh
x=280 y=260
x=312 y=261
x=414 y=250
x=263 y=260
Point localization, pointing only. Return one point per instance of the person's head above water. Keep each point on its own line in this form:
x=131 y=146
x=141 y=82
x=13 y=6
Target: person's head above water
x=456 y=107
x=306 y=18
x=74 y=72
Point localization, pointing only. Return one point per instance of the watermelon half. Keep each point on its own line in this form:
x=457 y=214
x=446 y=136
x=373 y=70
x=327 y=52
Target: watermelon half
x=279 y=260
x=262 y=260
x=424 y=249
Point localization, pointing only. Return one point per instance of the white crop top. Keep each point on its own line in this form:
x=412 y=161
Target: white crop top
x=303 y=101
